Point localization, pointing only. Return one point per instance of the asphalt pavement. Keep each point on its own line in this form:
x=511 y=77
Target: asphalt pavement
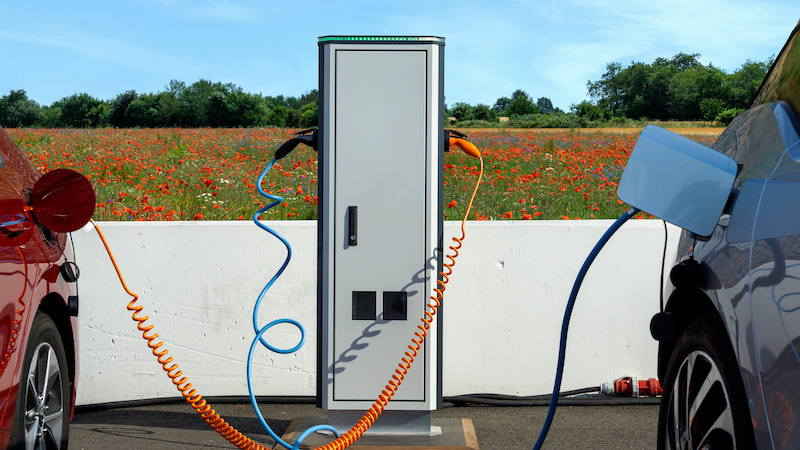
x=177 y=426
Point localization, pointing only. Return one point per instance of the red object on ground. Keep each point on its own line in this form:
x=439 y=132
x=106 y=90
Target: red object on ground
x=633 y=387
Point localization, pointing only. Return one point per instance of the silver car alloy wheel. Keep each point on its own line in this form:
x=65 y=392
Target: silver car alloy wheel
x=44 y=400
x=699 y=408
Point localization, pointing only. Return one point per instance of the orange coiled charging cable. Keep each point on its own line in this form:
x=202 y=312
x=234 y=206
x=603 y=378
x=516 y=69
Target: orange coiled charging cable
x=234 y=436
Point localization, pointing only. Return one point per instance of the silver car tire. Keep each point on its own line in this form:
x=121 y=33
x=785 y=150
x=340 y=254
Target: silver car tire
x=704 y=404
x=41 y=419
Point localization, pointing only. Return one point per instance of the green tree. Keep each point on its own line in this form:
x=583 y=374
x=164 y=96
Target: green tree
x=690 y=87
x=292 y=117
x=587 y=110
x=50 y=117
x=171 y=109
x=83 y=111
x=711 y=108
x=309 y=115
x=673 y=88
x=310 y=97
x=727 y=116
x=194 y=104
x=636 y=102
x=17 y=110
x=684 y=61
x=461 y=111
x=167 y=110
x=545 y=105
x=609 y=90
x=248 y=110
x=277 y=117
x=217 y=109
x=118 y=111
x=143 y=111
x=484 y=112
x=501 y=105
x=521 y=104
x=657 y=91
x=745 y=81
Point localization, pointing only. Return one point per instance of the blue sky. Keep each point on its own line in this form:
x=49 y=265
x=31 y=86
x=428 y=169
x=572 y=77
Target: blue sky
x=548 y=48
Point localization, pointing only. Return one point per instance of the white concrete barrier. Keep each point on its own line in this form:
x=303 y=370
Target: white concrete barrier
x=198 y=282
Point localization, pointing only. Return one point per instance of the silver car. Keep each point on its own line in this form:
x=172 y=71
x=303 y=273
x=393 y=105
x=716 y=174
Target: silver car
x=729 y=333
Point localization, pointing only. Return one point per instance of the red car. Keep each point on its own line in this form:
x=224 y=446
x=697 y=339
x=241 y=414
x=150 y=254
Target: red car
x=38 y=299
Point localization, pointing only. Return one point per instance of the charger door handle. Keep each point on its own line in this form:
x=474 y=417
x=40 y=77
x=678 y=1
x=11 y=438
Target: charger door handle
x=352 y=225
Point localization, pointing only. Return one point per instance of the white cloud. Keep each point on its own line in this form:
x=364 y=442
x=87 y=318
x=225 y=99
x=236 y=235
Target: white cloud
x=211 y=10
x=723 y=32
x=102 y=48
x=222 y=11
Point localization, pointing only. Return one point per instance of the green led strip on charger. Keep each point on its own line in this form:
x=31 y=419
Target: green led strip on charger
x=380 y=38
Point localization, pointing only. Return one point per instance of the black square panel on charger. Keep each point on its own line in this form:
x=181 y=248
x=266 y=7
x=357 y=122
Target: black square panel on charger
x=395 y=305
x=364 y=305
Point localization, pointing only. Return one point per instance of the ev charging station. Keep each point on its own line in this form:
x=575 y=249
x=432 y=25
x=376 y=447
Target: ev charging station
x=381 y=146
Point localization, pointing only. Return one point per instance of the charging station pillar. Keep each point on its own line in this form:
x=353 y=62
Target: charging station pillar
x=381 y=144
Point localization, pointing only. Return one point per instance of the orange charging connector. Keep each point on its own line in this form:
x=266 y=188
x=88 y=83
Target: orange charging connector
x=468 y=147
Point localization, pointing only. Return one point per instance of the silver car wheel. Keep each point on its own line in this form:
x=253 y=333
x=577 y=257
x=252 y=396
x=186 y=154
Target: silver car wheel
x=44 y=400
x=699 y=411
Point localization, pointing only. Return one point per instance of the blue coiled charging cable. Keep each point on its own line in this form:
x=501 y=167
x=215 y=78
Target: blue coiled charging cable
x=259 y=338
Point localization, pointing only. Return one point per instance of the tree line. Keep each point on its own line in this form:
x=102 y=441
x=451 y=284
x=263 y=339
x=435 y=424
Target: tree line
x=201 y=104
x=677 y=88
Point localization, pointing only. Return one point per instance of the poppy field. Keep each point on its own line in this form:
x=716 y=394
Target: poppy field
x=211 y=173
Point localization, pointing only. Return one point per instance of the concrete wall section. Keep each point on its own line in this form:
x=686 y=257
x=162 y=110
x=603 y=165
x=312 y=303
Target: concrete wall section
x=198 y=282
